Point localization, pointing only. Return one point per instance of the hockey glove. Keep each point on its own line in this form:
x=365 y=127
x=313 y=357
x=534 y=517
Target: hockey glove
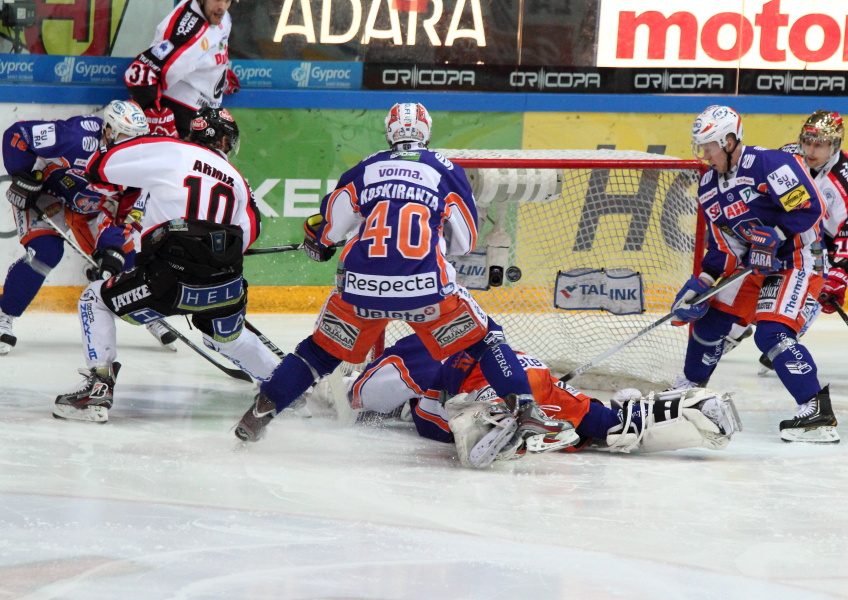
x=25 y=189
x=161 y=120
x=109 y=260
x=311 y=245
x=833 y=291
x=684 y=312
x=765 y=241
x=232 y=83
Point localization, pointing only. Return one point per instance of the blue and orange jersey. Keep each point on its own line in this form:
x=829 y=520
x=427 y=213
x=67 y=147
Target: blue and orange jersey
x=60 y=149
x=408 y=211
x=767 y=187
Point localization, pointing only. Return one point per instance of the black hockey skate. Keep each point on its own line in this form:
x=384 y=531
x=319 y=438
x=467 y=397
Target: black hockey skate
x=814 y=422
x=251 y=428
x=92 y=400
x=540 y=433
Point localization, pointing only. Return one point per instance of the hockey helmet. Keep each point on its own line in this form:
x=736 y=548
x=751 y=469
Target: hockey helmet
x=408 y=122
x=823 y=126
x=125 y=116
x=209 y=127
x=714 y=125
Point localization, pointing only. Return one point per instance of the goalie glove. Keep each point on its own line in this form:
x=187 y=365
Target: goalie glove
x=684 y=311
x=231 y=84
x=833 y=291
x=311 y=244
x=764 y=241
x=161 y=120
x=25 y=189
x=109 y=261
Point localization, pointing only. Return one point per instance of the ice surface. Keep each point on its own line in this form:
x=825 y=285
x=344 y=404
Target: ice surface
x=158 y=504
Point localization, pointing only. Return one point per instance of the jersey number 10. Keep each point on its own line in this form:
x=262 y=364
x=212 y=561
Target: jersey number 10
x=219 y=192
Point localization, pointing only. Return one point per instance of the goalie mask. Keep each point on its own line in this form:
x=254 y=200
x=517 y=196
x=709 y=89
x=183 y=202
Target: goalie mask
x=211 y=125
x=408 y=122
x=714 y=125
x=124 y=117
x=823 y=126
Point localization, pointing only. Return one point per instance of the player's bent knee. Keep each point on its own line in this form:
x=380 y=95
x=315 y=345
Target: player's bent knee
x=44 y=253
x=773 y=337
x=316 y=358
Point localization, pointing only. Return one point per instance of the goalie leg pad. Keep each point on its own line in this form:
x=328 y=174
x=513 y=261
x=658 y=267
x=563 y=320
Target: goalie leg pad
x=673 y=420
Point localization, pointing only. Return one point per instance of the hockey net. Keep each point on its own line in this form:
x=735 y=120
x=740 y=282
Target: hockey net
x=603 y=240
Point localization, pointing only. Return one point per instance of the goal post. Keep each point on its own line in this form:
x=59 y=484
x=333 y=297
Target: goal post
x=580 y=249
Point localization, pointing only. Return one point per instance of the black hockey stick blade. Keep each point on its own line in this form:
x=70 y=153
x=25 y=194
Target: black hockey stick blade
x=235 y=373
x=272 y=249
x=698 y=299
x=262 y=338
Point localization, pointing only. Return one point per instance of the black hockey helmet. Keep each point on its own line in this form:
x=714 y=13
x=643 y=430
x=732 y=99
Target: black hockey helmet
x=210 y=125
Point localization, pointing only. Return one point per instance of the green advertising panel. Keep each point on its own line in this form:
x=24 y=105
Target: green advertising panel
x=292 y=158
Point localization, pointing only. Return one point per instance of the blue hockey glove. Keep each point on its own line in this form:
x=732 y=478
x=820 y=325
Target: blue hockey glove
x=765 y=241
x=682 y=309
x=311 y=245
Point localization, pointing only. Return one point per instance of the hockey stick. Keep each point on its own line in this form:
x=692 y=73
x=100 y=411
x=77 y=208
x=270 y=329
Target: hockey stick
x=839 y=309
x=262 y=338
x=272 y=249
x=698 y=299
x=235 y=373
x=14 y=232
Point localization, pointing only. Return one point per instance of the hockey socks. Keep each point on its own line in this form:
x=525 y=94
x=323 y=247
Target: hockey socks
x=706 y=344
x=26 y=276
x=791 y=360
x=298 y=370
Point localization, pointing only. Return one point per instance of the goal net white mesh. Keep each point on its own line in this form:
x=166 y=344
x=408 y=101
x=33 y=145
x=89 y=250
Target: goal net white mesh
x=615 y=228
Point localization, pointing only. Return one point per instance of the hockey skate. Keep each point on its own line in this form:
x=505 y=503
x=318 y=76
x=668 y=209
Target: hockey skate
x=766 y=365
x=165 y=337
x=814 y=421
x=251 y=428
x=541 y=434
x=731 y=342
x=92 y=400
x=7 y=338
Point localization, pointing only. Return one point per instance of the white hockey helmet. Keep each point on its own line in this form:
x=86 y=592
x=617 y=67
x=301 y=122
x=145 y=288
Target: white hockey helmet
x=125 y=116
x=714 y=125
x=823 y=126
x=408 y=122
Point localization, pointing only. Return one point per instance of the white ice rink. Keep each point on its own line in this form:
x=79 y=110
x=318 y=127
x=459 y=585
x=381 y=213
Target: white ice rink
x=157 y=504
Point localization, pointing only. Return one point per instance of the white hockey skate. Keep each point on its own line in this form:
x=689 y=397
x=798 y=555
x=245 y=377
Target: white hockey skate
x=7 y=338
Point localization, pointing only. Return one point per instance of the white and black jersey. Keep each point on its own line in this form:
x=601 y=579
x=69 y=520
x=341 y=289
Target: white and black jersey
x=187 y=62
x=179 y=180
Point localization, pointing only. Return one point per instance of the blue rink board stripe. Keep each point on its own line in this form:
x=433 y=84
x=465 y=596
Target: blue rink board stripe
x=451 y=101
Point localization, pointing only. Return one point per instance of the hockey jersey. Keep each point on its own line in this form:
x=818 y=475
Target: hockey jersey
x=187 y=61
x=409 y=210
x=767 y=187
x=60 y=149
x=178 y=180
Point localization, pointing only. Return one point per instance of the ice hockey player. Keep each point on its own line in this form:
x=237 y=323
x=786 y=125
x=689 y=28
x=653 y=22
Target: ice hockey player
x=820 y=145
x=46 y=160
x=763 y=210
x=483 y=426
x=186 y=66
x=198 y=218
x=409 y=207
